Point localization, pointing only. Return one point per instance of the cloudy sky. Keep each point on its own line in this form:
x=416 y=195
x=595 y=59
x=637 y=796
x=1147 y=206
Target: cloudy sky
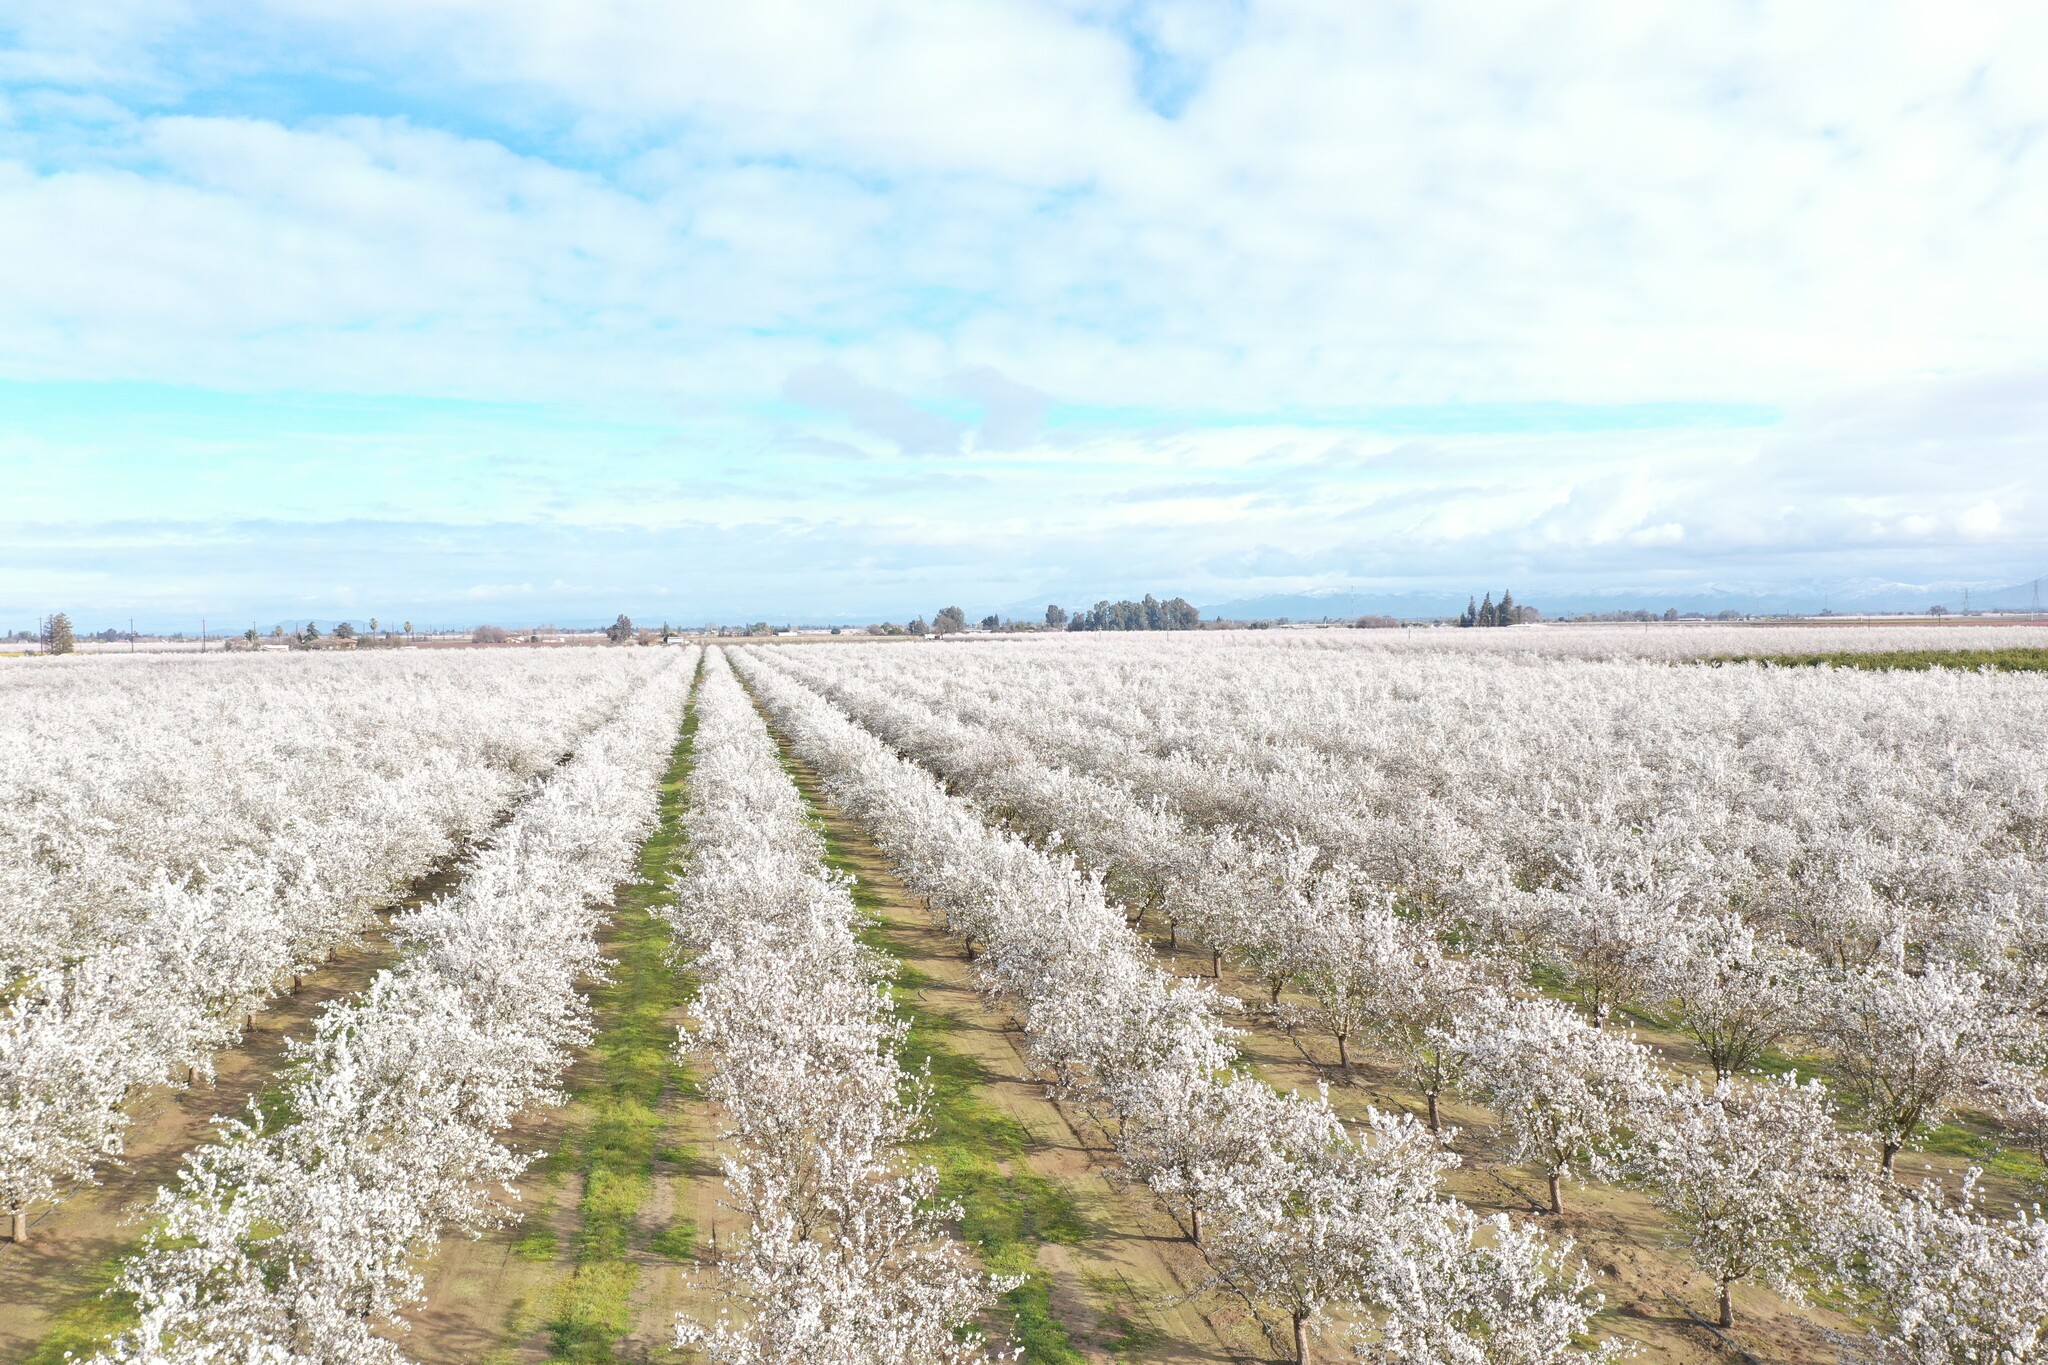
x=497 y=309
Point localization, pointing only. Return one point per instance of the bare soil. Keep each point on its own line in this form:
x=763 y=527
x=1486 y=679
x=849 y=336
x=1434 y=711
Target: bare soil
x=552 y=1284
x=492 y=1299
x=1654 y=1297
x=53 y=1288
x=1131 y=1289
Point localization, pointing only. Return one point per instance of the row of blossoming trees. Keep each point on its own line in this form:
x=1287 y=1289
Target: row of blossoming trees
x=1296 y=1211
x=297 y=1236
x=845 y=1256
x=182 y=839
x=1406 y=847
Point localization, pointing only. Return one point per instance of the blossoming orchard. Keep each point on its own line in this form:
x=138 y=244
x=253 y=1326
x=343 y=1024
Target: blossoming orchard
x=1556 y=994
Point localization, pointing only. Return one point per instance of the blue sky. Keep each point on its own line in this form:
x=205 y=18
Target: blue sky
x=458 y=310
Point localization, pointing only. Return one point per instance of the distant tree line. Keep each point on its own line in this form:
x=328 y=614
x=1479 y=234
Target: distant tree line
x=1507 y=613
x=1150 y=614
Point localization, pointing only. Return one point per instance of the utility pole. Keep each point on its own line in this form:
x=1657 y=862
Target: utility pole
x=202 y=635
x=131 y=635
x=1966 y=601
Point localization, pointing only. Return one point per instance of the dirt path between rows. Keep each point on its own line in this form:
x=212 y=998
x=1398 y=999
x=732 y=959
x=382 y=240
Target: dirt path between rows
x=1653 y=1296
x=52 y=1290
x=1128 y=1289
x=1647 y=1284
x=498 y=1299
x=622 y=1212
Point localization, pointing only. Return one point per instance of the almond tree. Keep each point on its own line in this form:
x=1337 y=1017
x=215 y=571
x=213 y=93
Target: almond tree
x=1354 y=953
x=1607 y=937
x=1565 y=1092
x=2018 y=1093
x=1736 y=992
x=1483 y=1291
x=1906 y=1047
x=72 y=1045
x=303 y=1242
x=1189 y=1136
x=179 y=848
x=1294 y=1213
x=1951 y=1285
x=887 y=1287
x=1419 y=1014
x=1747 y=1173
x=1317 y=1217
x=845 y=1256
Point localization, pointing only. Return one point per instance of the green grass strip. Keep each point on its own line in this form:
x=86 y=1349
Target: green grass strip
x=1007 y=1209
x=82 y=1329
x=1904 y=660
x=622 y=1129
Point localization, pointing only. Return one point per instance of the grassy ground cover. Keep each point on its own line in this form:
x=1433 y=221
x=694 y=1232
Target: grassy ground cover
x=1103 y=1273
x=1007 y=1210
x=621 y=1133
x=56 y=1293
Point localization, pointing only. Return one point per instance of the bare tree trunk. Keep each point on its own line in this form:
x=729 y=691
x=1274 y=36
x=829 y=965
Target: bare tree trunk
x=297 y=981
x=17 y=1226
x=1172 y=937
x=1301 y=1338
x=1891 y=1150
x=1216 y=963
x=1436 y=1123
x=1343 y=1057
x=1727 y=1306
x=1194 y=1222
x=1556 y=1195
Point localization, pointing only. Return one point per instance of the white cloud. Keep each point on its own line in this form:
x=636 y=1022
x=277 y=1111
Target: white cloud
x=1357 y=201
x=1981 y=522
x=837 y=222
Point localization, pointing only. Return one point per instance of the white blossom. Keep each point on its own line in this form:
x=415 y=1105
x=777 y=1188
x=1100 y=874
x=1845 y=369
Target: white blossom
x=1750 y=1174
